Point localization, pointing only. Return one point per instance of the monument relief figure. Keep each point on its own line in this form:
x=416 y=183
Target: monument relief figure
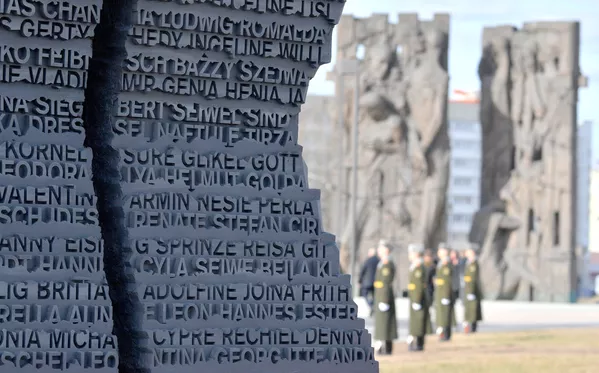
x=427 y=100
x=496 y=125
x=556 y=87
x=380 y=123
x=528 y=102
x=403 y=142
x=529 y=84
x=491 y=229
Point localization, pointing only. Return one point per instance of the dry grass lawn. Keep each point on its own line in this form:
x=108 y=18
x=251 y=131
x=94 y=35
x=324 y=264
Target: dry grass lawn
x=558 y=351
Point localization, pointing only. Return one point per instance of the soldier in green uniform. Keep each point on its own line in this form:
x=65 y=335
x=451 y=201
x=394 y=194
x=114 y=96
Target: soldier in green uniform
x=444 y=315
x=420 y=322
x=472 y=290
x=385 y=320
x=430 y=268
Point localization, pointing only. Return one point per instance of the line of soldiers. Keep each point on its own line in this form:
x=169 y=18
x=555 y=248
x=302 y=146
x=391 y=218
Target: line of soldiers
x=431 y=285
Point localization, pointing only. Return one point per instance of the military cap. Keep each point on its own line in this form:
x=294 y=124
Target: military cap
x=416 y=248
x=385 y=244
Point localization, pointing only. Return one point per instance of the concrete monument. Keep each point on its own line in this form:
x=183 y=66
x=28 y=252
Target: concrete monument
x=232 y=270
x=403 y=143
x=526 y=227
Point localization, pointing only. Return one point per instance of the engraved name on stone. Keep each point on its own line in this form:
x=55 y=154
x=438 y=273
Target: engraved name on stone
x=215 y=186
x=55 y=314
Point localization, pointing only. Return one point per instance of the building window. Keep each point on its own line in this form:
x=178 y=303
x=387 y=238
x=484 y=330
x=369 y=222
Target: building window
x=460 y=162
x=458 y=238
x=465 y=144
x=462 y=200
x=463 y=181
x=463 y=162
x=461 y=218
x=464 y=126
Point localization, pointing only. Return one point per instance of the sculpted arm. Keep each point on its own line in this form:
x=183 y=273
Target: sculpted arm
x=437 y=116
x=517 y=99
x=500 y=83
x=537 y=101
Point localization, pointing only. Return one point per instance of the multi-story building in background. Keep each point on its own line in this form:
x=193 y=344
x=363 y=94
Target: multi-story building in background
x=592 y=256
x=584 y=155
x=463 y=193
x=594 y=210
x=584 y=159
x=590 y=130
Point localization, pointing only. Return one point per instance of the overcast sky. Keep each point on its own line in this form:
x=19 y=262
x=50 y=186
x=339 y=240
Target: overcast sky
x=468 y=17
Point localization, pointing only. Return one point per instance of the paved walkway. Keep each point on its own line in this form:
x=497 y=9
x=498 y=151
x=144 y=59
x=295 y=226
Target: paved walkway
x=508 y=316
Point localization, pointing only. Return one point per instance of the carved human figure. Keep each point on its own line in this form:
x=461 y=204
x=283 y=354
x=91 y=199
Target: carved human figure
x=491 y=230
x=526 y=75
x=381 y=114
x=557 y=88
x=380 y=59
x=496 y=124
x=403 y=136
x=427 y=101
x=528 y=104
x=382 y=118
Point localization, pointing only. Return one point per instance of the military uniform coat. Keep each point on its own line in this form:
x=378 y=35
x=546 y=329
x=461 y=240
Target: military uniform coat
x=472 y=307
x=420 y=321
x=385 y=320
x=430 y=271
x=445 y=317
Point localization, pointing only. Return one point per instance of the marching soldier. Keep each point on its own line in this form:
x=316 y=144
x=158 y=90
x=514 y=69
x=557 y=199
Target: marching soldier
x=385 y=321
x=444 y=315
x=456 y=278
x=457 y=265
x=430 y=268
x=420 y=322
x=472 y=290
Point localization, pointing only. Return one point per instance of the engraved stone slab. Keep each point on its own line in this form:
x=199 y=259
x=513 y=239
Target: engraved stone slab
x=232 y=267
x=55 y=312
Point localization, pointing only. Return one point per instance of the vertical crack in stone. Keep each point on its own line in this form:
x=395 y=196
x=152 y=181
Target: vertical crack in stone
x=101 y=96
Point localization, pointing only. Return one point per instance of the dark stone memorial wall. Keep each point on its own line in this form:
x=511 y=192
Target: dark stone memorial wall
x=232 y=267
x=55 y=310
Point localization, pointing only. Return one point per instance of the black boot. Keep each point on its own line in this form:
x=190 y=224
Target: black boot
x=445 y=334
x=420 y=343
x=388 y=347
x=474 y=327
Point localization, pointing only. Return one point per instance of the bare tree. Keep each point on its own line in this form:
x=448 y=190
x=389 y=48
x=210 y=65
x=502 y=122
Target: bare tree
x=101 y=96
